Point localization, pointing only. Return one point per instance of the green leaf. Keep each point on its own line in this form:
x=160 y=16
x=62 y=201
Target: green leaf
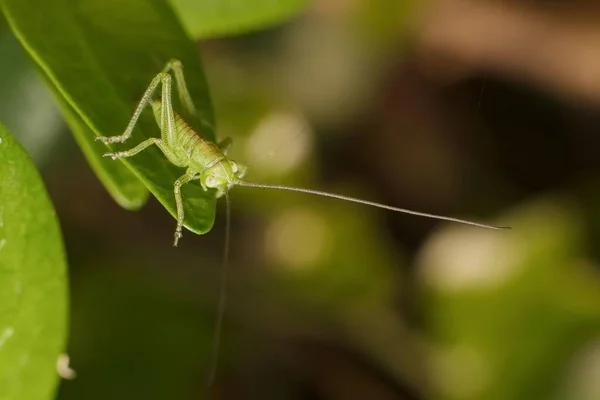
x=210 y=18
x=121 y=183
x=33 y=282
x=100 y=56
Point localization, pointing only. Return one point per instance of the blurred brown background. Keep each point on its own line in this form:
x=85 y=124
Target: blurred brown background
x=487 y=110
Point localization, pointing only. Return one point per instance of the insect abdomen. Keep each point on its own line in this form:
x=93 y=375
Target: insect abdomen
x=200 y=152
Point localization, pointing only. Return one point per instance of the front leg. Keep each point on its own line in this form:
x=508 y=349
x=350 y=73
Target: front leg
x=179 y=203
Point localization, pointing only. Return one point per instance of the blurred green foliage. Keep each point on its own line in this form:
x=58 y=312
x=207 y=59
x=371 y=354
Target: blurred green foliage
x=516 y=313
x=214 y=18
x=33 y=286
x=326 y=300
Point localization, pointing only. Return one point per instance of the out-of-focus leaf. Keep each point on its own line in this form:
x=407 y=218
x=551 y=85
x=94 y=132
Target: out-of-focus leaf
x=100 y=57
x=163 y=339
x=33 y=292
x=28 y=110
x=209 y=18
x=510 y=308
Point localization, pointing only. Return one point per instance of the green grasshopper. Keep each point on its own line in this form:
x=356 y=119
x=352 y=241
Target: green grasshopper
x=206 y=161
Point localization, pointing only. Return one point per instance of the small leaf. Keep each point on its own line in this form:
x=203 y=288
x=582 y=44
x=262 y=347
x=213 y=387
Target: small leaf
x=99 y=57
x=210 y=18
x=33 y=282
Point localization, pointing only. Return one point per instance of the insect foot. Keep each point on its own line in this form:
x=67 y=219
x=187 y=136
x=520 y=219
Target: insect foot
x=110 y=139
x=114 y=156
x=178 y=235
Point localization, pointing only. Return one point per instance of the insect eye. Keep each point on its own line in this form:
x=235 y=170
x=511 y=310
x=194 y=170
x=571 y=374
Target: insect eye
x=234 y=166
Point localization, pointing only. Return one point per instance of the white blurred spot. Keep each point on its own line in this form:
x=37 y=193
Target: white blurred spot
x=63 y=369
x=0 y=140
x=460 y=372
x=279 y=143
x=461 y=258
x=6 y=334
x=298 y=239
x=2 y=243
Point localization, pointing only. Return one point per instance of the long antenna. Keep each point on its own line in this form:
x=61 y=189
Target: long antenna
x=214 y=359
x=366 y=202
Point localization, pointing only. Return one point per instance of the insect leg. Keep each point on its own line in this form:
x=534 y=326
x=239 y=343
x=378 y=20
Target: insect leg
x=184 y=95
x=131 y=152
x=167 y=116
x=142 y=146
x=178 y=201
x=146 y=98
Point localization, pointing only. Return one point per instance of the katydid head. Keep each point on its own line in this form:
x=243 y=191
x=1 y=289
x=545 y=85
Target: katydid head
x=223 y=176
